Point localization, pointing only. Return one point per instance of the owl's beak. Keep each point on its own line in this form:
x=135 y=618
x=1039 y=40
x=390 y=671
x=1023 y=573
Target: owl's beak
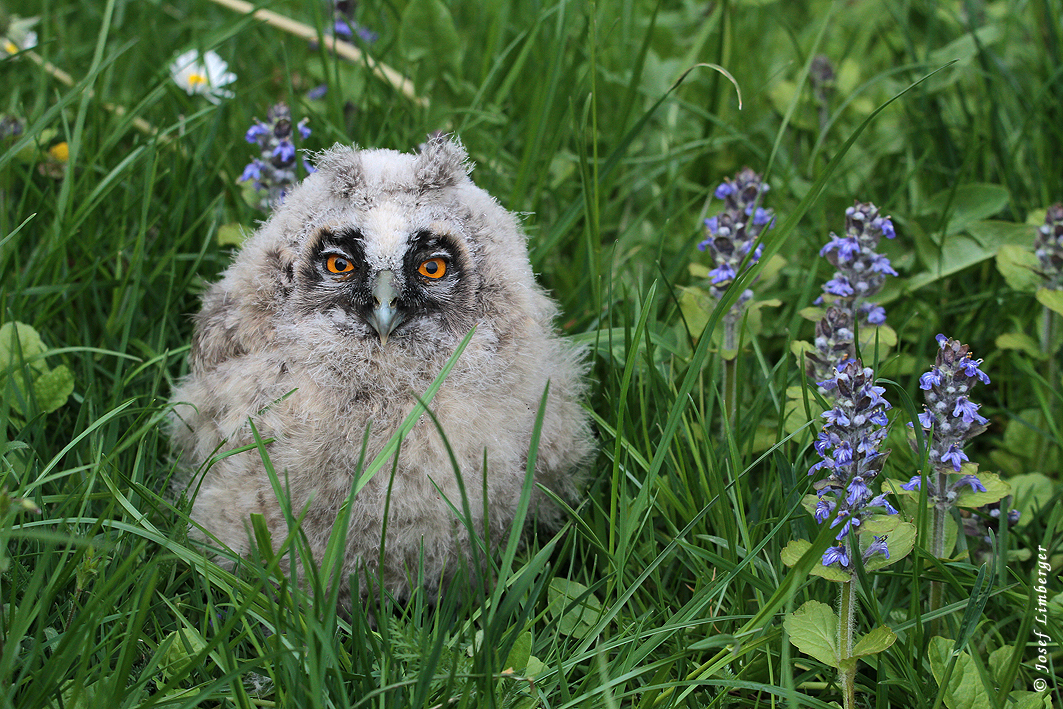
x=385 y=316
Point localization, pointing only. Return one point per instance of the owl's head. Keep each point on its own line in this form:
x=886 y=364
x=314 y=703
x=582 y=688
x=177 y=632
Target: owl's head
x=393 y=247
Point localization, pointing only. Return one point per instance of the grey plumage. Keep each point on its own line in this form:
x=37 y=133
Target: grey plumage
x=334 y=316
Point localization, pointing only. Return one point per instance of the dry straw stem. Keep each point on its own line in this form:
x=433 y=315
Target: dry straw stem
x=343 y=49
x=65 y=78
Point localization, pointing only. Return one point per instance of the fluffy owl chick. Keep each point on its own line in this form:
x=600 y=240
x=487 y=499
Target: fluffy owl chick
x=335 y=316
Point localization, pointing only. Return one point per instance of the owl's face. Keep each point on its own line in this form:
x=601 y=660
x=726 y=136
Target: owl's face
x=393 y=248
x=369 y=289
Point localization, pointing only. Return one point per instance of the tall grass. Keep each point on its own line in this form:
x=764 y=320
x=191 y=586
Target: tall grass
x=603 y=124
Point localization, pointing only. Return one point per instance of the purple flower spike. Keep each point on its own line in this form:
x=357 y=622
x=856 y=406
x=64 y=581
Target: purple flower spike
x=849 y=455
x=951 y=416
x=732 y=236
x=274 y=171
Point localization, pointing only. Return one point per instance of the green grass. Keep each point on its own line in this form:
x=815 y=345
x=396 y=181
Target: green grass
x=666 y=589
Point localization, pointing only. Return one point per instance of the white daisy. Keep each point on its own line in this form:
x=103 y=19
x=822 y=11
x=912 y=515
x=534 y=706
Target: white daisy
x=203 y=74
x=19 y=35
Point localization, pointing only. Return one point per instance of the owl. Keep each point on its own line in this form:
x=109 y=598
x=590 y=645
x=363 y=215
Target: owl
x=329 y=326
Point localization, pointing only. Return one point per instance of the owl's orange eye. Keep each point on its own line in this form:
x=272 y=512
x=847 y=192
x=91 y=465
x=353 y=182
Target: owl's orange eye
x=433 y=268
x=338 y=264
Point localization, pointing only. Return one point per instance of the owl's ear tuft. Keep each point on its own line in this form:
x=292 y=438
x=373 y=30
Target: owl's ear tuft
x=344 y=166
x=442 y=162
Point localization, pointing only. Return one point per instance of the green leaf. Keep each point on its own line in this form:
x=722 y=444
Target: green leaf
x=813 y=630
x=184 y=645
x=996 y=489
x=520 y=653
x=968 y=204
x=962 y=50
x=19 y=342
x=233 y=234
x=1017 y=263
x=53 y=388
x=1031 y=492
x=1027 y=700
x=874 y=642
x=429 y=39
x=1022 y=342
x=535 y=667
x=998 y=662
x=575 y=620
x=1051 y=299
x=1025 y=436
x=958 y=251
x=796 y=548
x=964 y=689
x=21 y=352
x=900 y=540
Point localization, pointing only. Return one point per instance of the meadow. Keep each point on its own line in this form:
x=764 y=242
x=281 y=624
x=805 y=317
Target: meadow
x=694 y=573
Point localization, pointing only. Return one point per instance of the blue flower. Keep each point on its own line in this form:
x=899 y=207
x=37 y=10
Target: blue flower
x=850 y=522
x=941 y=340
x=914 y=483
x=257 y=132
x=284 y=151
x=970 y=368
x=341 y=28
x=858 y=491
x=975 y=483
x=881 y=501
x=876 y=314
x=723 y=272
x=968 y=410
x=887 y=228
x=274 y=171
x=824 y=508
x=879 y=418
x=955 y=456
x=881 y=264
x=253 y=171
x=823 y=442
x=839 y=286
x=836 y=417
x=848 y=247
x=877 y=547
x=836 y=554
x=825 y=463
x=763 y=216
x=926 y=419
x=318 y=92
x=724 y=190
x=930 y=379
